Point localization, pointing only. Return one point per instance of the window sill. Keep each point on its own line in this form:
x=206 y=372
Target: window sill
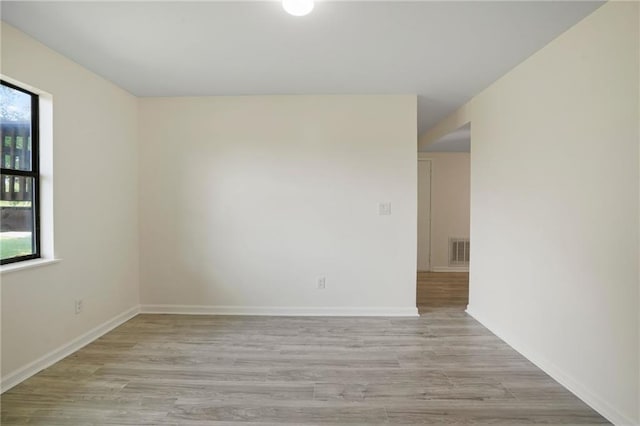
x=27 y=264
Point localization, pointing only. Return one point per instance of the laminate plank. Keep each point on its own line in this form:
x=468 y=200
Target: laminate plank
x=319 y=361
x=169 y=370
x=170 y=373
x=400 y=393
x=221 y=391
x=362 y=376
x=491 y=412
x=323 y=414
x=437 y=290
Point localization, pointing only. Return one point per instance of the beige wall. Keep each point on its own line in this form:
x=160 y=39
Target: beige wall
x=554 y=208
x=95 y=201
x=247 y=201
x=554 y=205
x=449 y=203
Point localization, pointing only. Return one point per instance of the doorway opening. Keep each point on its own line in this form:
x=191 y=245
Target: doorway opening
x=444 y=247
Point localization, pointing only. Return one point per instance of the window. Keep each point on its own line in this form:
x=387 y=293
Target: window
x=20 y=177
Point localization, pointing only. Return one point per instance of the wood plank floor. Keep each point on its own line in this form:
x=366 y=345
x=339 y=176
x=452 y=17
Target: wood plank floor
x=438 y=290
x=441 y=368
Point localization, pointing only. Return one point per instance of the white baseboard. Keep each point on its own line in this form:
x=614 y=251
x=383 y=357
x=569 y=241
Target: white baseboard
x=574 y=386
x=281 y=311
x=450 y=269
x=23 y=373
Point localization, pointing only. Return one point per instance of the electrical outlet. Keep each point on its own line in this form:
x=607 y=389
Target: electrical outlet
x=79 y=306
x=322 y=283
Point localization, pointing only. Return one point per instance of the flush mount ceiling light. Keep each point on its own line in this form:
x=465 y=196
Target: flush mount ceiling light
x=297 y=7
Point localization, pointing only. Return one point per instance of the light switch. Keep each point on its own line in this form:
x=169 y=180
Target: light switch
x=384 y=209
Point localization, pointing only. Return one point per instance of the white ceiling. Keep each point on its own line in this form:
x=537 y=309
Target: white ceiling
x=445 y=52
x=457 y=141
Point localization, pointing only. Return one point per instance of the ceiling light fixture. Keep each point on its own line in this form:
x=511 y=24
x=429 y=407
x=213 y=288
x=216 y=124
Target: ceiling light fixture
x=297 y=7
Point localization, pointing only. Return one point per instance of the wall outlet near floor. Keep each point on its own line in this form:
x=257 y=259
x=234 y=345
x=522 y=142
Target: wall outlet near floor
x=79 y=306
x=322 y=283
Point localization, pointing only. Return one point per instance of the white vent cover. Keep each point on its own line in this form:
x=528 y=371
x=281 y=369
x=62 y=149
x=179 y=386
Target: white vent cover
x=458 y=251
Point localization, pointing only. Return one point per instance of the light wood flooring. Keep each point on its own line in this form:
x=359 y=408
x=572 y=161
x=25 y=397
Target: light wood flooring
x=440 y=368
x=440 y=290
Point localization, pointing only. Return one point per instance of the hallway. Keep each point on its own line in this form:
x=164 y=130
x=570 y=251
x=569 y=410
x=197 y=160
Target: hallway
x=438 y=290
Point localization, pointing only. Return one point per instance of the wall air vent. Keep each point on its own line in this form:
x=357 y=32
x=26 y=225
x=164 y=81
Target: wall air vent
x=458 y=251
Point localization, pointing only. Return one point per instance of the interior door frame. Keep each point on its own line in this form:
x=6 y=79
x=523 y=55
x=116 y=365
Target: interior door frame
x=430 y=161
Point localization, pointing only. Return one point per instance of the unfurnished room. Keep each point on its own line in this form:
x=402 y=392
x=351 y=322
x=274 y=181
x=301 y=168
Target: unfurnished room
x=321 y=212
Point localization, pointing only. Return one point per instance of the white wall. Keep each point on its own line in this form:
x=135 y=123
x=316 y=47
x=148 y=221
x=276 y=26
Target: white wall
x=449 y=203
x=554 y=208
x=95 y=205
x=246 y=201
